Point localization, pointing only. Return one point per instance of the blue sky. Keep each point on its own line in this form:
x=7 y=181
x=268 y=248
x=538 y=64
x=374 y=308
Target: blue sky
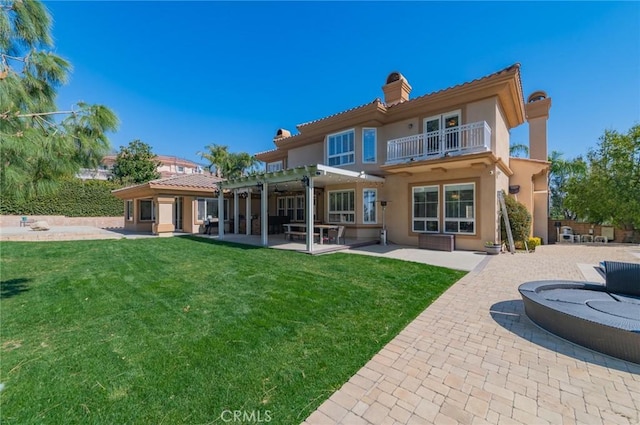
x=181 y=75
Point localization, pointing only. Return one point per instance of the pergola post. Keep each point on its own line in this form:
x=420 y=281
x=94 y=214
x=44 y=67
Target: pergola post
x=236 y=213
x=220 y=213
x=264 y=211
x=309 y=213
x=247 y=213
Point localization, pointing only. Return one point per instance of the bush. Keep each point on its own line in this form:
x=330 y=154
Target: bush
x=519 y=219
x=533 y=243
x=74 y=198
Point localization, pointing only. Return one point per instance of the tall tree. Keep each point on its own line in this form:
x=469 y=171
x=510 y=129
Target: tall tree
x=135 y=164
x=227 y=164
x=561 y=170
x=39 y=144
x=609 y=191
x=518 y=149
x=218 y=157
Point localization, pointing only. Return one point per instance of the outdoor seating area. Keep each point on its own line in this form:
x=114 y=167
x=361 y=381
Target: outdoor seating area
x=605 y=318
x=322 y=233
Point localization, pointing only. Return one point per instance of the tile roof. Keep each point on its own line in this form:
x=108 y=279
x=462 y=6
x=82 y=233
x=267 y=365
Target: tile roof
x=197 y=181
x=514 y=67
x=184 y=181
x=373 y=102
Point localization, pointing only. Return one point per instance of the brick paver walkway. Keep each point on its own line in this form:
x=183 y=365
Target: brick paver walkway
x=473 y=357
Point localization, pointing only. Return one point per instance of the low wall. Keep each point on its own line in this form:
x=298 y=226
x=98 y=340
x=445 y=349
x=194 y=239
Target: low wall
x=61 y=220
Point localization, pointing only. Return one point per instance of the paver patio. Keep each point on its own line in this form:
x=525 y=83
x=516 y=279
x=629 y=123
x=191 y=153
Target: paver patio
x=473 y=357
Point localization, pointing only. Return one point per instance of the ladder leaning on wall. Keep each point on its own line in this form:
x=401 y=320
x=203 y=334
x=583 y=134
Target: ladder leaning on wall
x=503 y=207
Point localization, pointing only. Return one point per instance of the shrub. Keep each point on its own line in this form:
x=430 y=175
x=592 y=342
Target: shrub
x=519 y=219
x=534 y=242
x=74 y=198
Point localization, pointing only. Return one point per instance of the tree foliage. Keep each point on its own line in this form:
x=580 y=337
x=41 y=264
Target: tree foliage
x=519 y=220
x=227 y=164
x=41 y=145
x=519 y=150
x=135 y=164
x=609 y=190
x=560 y=172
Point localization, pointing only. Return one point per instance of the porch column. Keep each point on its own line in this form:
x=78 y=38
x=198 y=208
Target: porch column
x=264 y=218
x=247 y=213
x=309 y=213
x=236 y=215
x=164 y=215
x=220 y=213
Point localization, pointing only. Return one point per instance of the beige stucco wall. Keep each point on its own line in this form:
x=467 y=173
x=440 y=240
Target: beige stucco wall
x=398 y=191
x=533 y=193
x=306 y=155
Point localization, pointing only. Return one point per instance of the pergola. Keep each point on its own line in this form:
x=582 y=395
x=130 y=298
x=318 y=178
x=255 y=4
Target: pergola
x=308 y=177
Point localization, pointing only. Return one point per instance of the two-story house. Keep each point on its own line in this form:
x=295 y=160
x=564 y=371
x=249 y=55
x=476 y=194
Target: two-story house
x=168 y=166
x=431 y=164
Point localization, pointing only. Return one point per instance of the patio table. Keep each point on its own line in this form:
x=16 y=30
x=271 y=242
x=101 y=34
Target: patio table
x=303 y=229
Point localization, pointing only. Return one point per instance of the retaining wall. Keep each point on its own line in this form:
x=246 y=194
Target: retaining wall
x=61 y=220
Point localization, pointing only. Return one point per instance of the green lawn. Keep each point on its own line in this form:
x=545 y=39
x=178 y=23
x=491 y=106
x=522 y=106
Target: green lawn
x=181 y=330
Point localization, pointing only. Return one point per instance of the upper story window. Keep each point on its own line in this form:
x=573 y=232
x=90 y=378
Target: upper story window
x=180 y=169
x=340 y=148
x=442 y=132
x=274 y=166
x=369 y=138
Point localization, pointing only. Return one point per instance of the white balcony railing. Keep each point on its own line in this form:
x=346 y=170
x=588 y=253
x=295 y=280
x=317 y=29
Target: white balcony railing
x=464 y=139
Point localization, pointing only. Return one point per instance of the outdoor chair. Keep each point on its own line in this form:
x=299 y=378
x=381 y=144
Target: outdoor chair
x=622 y=278
x=334 y=235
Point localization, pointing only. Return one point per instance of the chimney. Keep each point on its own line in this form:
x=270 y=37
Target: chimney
x=537 y=113
x=281 y=134
x=396 y=90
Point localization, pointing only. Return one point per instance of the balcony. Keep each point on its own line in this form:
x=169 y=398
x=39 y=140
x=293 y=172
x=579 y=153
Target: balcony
x=461 y=140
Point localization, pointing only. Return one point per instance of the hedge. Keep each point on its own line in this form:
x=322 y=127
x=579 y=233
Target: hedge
x=74 y=198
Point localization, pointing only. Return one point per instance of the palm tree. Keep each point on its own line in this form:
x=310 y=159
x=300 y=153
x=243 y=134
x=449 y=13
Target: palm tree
x=218 y=157
x=228 y=165
x=518 y=149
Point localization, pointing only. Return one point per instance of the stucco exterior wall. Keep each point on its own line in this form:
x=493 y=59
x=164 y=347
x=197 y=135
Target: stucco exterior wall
x=483 y=110
x=398 y=192
x=306 y=155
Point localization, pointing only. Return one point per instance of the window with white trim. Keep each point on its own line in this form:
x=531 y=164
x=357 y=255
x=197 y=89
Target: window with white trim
x=292 y=207
x=129 y=210
x=340 y=148
x=180 y=169
x=369 y=141
x=369 y=206
x=459 y=208
x=426 y=209
x=147 y=210
x=274 y=166
x=342 y=207
x=209 y=207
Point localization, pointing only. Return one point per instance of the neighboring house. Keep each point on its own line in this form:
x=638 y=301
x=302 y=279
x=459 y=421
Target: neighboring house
x=431 y=165
x=169 y=166
x=427 y=165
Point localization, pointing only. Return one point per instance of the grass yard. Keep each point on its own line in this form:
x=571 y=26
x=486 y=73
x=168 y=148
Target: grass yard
x=188 y=330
